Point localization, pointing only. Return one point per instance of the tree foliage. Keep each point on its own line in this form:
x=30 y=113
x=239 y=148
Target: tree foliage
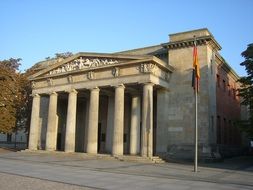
x=63 y=55
x=246 y=90
x=15 y=90
x=14 y=96
x=60 y=55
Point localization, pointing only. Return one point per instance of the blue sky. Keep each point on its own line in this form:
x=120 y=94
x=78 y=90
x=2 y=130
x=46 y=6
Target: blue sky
x=33 y=30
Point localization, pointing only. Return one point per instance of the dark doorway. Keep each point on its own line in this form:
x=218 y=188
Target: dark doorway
x=99 y=136
x=58 y=145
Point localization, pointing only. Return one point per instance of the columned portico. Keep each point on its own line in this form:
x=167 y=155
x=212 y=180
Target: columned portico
x=107 y=115
x=52 y=123
x=118 y=131
x=71 y=122
x=147 y=121
x=92 y=131
x=33 y=136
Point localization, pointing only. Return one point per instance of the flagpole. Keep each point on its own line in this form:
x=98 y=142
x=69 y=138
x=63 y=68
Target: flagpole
x=196 y=123
x=196 y=133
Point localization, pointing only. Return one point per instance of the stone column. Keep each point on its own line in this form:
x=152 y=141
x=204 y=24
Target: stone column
x=109 y=127
x=147 y=121
x=52 y=122
x=135 y=125
x=118 y=128
x=71 y=122
x=34 y=126
x=92 y=131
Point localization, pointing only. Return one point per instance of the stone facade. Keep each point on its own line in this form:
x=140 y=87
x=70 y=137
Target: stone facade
x=137 y=102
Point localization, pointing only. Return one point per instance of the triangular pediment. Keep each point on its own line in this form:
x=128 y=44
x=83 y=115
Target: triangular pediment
x=85 y=61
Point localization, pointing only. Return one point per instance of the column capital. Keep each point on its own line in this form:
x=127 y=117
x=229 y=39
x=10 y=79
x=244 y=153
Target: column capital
x=72 y=91
x=94 y=89
x=35 y=95
x=119 y=86
x=135 y=94
x=148 y=84
x=53 y=94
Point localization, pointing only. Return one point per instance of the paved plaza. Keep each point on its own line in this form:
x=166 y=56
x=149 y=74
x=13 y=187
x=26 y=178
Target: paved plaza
x=43 y=170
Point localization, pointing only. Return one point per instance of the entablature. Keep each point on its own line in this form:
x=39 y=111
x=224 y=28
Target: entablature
x=90 y=69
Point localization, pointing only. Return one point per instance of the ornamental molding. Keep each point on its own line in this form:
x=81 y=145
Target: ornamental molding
x=33 y=84
x=204 y=40
x=148 y=68
x=167 y=77
x=70 y=79
x=91 y=75
x=83 y=63
x=115 y=71
x=50 y=81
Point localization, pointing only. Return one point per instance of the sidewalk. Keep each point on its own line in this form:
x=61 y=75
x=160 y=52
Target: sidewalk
x=7 y=150
x=236 y=171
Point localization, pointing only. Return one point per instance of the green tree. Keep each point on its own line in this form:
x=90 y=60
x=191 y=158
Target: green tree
x=15 y=90
x=9 y=93
x=246 y=89
x=14 y=96
x=60 y=55
x=63 y=55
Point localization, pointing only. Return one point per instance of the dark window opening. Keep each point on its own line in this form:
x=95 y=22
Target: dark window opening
x=224 y=85
x=218 y=80
x=103 y=137
x=125 y=138
x=9 y=137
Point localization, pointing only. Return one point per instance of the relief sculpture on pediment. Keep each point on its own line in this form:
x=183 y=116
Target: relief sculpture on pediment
x=83 y=63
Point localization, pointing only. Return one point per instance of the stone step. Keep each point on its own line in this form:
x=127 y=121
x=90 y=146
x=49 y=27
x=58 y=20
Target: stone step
x=133 y=158
x=157 y=159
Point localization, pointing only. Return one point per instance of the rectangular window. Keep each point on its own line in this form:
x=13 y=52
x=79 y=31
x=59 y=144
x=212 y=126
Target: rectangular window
x=218 y=80
x=234 y=93
x=224 y=136
x=224 y=85
x=9 y=137
x=229 y=132
x=218 y=130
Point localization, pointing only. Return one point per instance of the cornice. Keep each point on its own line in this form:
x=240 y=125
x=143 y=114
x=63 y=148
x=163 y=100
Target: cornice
x=190 y=42
x=227 y=67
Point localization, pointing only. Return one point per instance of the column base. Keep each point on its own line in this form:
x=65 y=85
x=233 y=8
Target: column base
x=50 y=150
x=32 y=149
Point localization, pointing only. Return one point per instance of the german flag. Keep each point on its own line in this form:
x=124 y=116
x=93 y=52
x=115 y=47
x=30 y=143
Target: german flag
x=195 y=70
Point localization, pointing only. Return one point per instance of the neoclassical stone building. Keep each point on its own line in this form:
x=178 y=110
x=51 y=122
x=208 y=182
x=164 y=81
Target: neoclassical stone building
x=137 y=102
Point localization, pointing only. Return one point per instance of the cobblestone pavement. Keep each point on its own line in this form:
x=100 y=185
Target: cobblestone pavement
x=13 y=182
x=79 y=171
